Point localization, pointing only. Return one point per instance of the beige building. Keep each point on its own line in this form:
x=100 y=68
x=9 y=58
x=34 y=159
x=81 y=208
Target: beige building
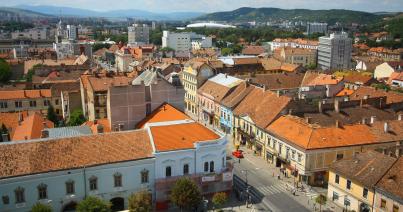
x=297 y=56
x=123 y=58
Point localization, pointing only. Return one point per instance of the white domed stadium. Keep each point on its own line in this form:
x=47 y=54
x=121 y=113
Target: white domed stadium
x=209 y=25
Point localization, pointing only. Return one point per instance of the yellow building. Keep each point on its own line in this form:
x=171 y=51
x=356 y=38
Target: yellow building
x=352 y=181
x=193 y=76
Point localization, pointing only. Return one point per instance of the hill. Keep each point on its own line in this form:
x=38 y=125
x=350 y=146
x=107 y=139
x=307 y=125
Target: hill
x=271 y=14
x=8 y=13
x=129 y=13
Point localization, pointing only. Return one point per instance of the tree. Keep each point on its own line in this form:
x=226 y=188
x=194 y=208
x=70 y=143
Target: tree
x=140 y=202
x=219 y=199
x=321 y=200
x=98 y=46
x=5 y=71
x=95 y=204
x=3 y=130
x=185 y=194
x=76 y=118
x=51 y=116
x=39 y=207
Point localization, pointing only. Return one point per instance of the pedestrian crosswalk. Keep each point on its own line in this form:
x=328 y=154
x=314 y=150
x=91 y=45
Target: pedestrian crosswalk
x=311 y=194
x=272 y=189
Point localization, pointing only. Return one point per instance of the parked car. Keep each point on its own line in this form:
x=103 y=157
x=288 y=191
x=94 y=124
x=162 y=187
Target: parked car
x=238 y=153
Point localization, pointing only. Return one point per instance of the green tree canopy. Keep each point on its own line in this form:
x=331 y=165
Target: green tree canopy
x=39 y=207
x=219 y=199
x=140 y=202
x=51 y=116
x=93 y=204
x=185 y=194
x=76 y=118
x=321 y=200
x=98 y=46
x=5 y=71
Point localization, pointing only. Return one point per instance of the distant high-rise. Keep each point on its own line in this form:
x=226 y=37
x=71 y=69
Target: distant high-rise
x=138 y=34
x=334 y=52
x=72 y=32
x=312 y=28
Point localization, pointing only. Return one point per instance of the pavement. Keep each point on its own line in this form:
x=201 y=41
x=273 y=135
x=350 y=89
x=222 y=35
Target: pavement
x=269 y=192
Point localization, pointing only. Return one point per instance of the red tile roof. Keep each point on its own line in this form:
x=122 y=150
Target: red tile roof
x=25 y=94
x=31 y=127
x=25 y=158
x=165 y=112
x=392 y=181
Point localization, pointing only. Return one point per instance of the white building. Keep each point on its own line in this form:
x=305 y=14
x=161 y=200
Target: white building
x=123 y=58
x=315 y=27
x=34 y=34
x=183 y=42
x=68 y=49
x=62 y=172
x=334 y=52
x=72 y=32
x=293 y=43
x=138 y=34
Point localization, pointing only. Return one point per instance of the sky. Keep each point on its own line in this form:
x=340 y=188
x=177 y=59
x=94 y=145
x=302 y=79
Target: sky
x=216 y=5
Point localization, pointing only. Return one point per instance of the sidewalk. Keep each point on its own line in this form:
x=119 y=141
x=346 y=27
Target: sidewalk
x=305 y=198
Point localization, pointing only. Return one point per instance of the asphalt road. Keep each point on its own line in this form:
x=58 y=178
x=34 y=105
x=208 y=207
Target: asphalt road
x=264 y=188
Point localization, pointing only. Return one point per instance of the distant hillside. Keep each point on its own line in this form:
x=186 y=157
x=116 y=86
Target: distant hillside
x=268 y=14
x=129 y=13
x=8 y=13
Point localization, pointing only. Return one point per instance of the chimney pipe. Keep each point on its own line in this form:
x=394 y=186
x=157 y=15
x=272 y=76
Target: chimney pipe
x=44 y=134
x=400 y=117
x=398 y=150
x=364 y=121
x=336 y=106
x=320 y=107
x=373 y=118
x=290 y=112
x=308 y=119
x=386 y=127
x=337 y=124
x=278 y=93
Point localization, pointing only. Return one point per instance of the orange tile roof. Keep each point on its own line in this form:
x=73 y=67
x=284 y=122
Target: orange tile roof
x=392 y=181
x=100 y=122
x=180 y=136
x=314 y=78
x=103 y=83
x=31 y=127
x=25 y=158
x=253 y=50
x=398 y=76
x=362 y=91
x=25 y=94
x=10 y=120
x=165 y=112
x=345 y=92
x=271 y=64
x=308 y=136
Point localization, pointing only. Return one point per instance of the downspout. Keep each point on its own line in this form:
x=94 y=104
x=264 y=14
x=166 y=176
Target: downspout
x=85 y=184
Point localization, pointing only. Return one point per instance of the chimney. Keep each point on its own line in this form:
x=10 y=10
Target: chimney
x=320 y=107
x=44 y=124
x=45 y=133
x=361 y=102
x=308 y=119
x=100 y=128
x=226 y=75
x=364 y=121
x=386 y=127
x=95 y=121
x=290 y=112
x=278 y=93
x=121 y=127
x=338 y=125
x=400 y=117
x=398 y=150
x=336 y=106
x=373 y=118
x=5 y=137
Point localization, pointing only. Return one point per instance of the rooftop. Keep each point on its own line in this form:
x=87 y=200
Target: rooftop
x=25 y=94
x=315 y=78
x=62 y=132
x=163 y=113
x=47 y=155
x=392 y=181
x=277 y=81
x=31 y=127
x=237 y=95
x=225 y=80
x=370 y=92
x=364 y=168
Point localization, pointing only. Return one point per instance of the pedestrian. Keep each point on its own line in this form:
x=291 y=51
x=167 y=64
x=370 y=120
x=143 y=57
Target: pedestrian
x=278 y=176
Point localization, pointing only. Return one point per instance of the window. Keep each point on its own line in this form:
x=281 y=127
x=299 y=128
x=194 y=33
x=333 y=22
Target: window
x=346 y=201
x=383 y=203
x=348 y=186
x=6 y=200
x=168 y=171
x=144 y=176
x=299 y=157
x=211 y=166
x=339 y=156
x=335 y=196
x=32 y=103
x=19 y=195
x=148 y=109
x=3 y=105
x=70 y=187
x=42 y=191
x=223 y=162
x=18 y=104
x=56 y=102
x=185 y=169
x=205 y=166
x=365 y=193
x=117 y=179
x=46 y=102
x=293 y=154
x=395 y=208
x=337 y=179
x=93 y=183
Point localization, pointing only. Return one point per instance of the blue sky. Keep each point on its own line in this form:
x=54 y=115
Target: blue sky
x=216 y=5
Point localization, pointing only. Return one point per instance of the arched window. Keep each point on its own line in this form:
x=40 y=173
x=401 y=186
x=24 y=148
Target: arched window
x=70 y=187
x=185 y=169
x=211 y=166
x=93 y=183
x=168 y=171
x=117 y=178
x=144 y=176
x=42 y=191
x=19 y=195
x=205 y=166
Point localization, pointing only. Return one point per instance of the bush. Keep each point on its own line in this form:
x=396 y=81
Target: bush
x=185 y=194
x=93 y=204
x=140 y=202
x=76 y=118
x=219 y=199
x=39 y=207
x=5 y=71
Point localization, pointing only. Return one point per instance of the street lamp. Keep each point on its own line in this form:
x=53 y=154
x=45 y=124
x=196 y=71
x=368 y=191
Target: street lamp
x=246 y=184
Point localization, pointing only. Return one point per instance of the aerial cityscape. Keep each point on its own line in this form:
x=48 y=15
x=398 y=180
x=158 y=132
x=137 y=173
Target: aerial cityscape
x=177 y=105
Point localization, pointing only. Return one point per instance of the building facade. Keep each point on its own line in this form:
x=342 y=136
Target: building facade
x=138 y=34
x=334 y=52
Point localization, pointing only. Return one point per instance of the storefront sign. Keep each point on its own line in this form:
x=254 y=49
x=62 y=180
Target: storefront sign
x=208 y=178
x=227 y=176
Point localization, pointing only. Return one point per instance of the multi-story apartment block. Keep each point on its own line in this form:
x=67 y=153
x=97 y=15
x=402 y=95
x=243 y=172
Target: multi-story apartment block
x=293 y=43
x=138 y=34
x=72 y=32
x=34 y=34
x=334 y=52
x=352 y=181
x=123 y=58
x=193 y=76
x=183 y=42
x=29 y=100
x=315 y=27
x=298 y=56
x=209 y=96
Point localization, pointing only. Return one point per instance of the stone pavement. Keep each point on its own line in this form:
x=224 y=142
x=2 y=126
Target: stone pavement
x=285 y=185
